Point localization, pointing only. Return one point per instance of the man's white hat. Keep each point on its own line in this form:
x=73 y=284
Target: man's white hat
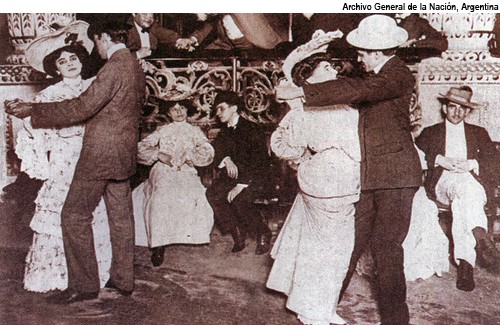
x=377 y=32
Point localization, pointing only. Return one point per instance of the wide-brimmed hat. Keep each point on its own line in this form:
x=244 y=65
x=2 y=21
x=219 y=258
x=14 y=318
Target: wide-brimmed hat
x=377 y=32
x=60 y=37
x=460 y=96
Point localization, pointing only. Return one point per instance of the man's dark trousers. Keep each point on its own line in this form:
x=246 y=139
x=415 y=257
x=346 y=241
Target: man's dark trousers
x=384 y=217
x=76 y=221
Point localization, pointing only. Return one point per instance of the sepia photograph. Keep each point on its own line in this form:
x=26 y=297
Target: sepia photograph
x=252 y=167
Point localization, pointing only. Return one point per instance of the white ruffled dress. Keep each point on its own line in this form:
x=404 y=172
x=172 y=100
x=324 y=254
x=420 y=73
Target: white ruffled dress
x=51 y=155
x=171 y=207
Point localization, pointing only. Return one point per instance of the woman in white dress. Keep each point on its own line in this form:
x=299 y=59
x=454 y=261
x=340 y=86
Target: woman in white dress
x=51 y=155
x=171 y=207
x=313 y=249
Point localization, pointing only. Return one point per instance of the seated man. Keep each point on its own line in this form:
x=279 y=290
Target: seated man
x=146 y=35
x=460 y=157
x=242 y=158
x=238 y=32
x=420 y=32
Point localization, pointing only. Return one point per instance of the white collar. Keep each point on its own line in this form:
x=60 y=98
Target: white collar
x=234 y=120
x=73 y=81
x=179 y=123
x=114 y=48
x=139 y=28
x=450 y=125
x=381 y=64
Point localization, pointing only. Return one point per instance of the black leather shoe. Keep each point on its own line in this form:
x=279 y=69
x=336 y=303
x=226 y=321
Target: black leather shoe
x=488 y=256
x=263 y=244
x=465 y=276
x=239 y=240
x=111 y=285
x=157 y=255
x=67 y=297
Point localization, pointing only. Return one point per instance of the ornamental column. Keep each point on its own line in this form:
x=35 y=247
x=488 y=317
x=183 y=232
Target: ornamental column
x=24 y=28
x=17 y=81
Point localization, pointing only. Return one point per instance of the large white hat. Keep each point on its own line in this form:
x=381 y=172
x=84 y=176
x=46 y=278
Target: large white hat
x=377 y=32
x=65 y=35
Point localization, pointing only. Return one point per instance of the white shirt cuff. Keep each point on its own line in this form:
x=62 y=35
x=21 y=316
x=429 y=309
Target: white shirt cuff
x=473 y=165
x=223 y=162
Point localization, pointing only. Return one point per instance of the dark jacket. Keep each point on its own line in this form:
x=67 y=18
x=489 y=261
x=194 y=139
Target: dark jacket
x=427 y=37
x=157 y=35
x=110 y=109
x=259 y=30
x=388 y=156
x=246 y=145
x=432 y=141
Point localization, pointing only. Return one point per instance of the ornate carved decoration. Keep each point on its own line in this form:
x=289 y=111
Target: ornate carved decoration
x=25 y=27
x=416 y=121
x=18 y=74
x=436 y=76
x=440 y=71
x=468 y=34
x=200 y=80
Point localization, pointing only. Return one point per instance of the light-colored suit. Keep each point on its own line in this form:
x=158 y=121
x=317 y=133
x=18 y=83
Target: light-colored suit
x=464 y=192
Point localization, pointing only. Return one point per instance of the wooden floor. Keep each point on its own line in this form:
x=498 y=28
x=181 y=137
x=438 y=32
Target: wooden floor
x=207 y=284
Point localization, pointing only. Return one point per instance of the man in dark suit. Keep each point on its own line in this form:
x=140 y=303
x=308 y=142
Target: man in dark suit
x=420 y=32
x=390 y=167
x=461 y=159
x=423 y=40
x=145 y=36
x=110 y=109
x=243 y=162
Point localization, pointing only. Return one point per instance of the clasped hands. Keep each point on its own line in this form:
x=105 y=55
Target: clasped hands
x=413 y=41
x=17 y=108
x=167 y=158
x=188 y=44
x=288 y=91
x=455 y=165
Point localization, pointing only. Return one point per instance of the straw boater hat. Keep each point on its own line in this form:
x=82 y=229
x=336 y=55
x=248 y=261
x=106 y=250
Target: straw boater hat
x=460 y=96
x=377 y=32
x=60 y=37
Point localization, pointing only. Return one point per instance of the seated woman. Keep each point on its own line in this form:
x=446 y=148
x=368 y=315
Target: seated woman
x=171 y=207
x=313 y=250
x=51 y=155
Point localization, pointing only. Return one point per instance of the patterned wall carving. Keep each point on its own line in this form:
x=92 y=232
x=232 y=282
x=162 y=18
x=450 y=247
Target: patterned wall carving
x=200 y=80
x=436 y=76
x=25 y=27
x=19 y=74
x=468 y=34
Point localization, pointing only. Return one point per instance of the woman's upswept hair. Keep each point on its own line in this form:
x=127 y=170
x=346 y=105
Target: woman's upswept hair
x=49 y=62
x=186 y=103
x=305 y=68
